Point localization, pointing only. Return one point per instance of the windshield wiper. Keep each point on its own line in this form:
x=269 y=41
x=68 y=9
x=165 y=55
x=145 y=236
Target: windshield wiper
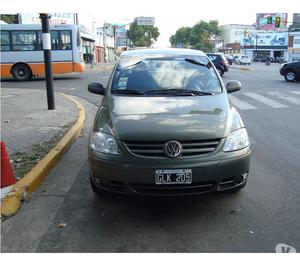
x=129 y=65
x=196 y=62
x=178 y=92
x=127 y=91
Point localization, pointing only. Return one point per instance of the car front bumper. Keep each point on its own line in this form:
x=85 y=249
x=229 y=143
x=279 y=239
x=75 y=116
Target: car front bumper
x=139 y=178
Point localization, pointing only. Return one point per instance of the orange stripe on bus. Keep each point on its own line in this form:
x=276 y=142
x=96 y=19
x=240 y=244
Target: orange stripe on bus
x=39 y=68
x=5 y=70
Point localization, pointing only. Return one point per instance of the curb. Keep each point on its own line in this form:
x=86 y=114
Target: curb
x=30 y=182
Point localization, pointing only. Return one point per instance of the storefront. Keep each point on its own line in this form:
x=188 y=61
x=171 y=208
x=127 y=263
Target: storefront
x=265 y=44
x=294 y=46
x=87 y=43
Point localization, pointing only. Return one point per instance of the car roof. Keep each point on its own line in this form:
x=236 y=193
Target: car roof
x=167 y=52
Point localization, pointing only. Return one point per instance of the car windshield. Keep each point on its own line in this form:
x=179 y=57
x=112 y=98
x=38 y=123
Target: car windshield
x=166 y=76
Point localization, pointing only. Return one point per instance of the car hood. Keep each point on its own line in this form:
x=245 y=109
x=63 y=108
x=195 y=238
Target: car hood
x=164 y=118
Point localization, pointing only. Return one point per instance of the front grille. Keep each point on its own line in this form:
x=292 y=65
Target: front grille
x=194 y=188
x=190 y=148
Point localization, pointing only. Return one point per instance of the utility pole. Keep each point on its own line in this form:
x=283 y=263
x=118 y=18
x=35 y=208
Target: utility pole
x=104 y=40
x=47 y=60
x=256 y=37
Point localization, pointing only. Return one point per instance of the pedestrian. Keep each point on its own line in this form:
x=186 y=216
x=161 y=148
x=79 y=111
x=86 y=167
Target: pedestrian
x=91 y=60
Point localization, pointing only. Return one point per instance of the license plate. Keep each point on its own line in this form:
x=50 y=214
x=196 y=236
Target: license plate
x=182 y=176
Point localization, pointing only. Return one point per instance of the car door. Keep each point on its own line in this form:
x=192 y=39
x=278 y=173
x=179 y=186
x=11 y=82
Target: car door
x=297 y=68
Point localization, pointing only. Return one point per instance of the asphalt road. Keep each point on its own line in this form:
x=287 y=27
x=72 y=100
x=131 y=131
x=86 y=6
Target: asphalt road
x=264 y=214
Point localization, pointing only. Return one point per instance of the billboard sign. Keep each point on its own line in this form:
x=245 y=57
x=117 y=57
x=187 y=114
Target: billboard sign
x=265 y=39
x=266 y=21
x=56 y=18
x=145 y=21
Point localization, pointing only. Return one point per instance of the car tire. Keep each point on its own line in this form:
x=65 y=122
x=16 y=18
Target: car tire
x=290 y=76
x=220 y=70
x=21 y=72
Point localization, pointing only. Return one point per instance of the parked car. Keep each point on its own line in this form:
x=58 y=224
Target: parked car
x=219 y=61
x=244 y=60
x=165 y=126
x=235 y=59
x=229 y=58
x=290 y=71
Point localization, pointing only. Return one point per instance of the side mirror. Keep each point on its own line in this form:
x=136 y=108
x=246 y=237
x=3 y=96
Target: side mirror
x=233 y=86
x=96 y=88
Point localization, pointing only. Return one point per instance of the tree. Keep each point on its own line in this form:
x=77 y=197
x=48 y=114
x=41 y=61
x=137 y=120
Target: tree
x=182 y=35
x=9 y=19
x=142 y=36
x=200 y=36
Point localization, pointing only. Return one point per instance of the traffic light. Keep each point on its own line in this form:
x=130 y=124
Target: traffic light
x=277 y=22
x=269 y=19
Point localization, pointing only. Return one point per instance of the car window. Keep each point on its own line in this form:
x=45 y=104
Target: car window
x=167 y=73
x=212 y=57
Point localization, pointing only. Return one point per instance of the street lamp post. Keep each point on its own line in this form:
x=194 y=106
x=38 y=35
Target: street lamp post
x=47 y=60
x=256 y=37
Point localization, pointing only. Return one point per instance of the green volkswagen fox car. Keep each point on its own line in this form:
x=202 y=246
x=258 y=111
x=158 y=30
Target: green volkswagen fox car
x=165 y=126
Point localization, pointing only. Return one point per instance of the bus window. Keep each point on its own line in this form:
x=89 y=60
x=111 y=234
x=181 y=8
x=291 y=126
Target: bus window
x=40 y=41
x=23 y=40
x=5 y=41
x=65 y=37
x=78 y=38
x=54 y=40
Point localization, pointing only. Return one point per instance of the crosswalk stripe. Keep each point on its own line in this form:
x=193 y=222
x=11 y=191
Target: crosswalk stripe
x=285 y=97
x=240 y=103
x=266 y=101
x=295 y=92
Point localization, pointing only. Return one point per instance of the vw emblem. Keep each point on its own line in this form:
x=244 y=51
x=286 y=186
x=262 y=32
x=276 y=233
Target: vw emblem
x=173 y=149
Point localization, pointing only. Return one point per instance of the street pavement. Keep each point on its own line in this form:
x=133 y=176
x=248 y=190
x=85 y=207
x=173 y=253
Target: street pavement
x=26 y=120
x=264 y=214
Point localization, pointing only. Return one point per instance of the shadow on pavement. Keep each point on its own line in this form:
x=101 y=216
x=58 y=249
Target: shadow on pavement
x=56 y=78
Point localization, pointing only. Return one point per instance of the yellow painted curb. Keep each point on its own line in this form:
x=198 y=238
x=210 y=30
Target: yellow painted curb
x=34 y=178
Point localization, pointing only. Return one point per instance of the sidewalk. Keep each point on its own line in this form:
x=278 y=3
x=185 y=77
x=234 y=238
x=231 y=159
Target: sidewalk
x=27 y=124
x=100 y=66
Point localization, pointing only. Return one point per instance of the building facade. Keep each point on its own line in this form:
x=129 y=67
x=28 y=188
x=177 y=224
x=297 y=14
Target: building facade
x=259 y=43
x=105 y=43
x=294 y=46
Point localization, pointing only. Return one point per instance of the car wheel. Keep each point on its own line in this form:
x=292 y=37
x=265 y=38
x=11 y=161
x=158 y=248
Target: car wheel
x=290 y=76
x=220 y=70
x=21 y=72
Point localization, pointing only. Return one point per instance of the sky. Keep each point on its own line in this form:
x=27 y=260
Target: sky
x=169 y=15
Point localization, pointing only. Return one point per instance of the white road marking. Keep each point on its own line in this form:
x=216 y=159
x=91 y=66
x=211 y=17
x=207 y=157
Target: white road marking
x=295 y=92
x=266 y=100
x=243 y=105
x=285 y=97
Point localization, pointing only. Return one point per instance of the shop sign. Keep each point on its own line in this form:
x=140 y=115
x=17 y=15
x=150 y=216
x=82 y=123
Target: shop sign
x=265 y=39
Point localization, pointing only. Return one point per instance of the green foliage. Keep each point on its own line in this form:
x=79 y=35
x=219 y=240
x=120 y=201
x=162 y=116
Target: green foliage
x=9 y=19
x=200 y=36
x=142 y=36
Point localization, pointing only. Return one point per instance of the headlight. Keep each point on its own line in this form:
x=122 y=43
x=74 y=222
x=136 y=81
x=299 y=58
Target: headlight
x=236 y=140
x=104 y=143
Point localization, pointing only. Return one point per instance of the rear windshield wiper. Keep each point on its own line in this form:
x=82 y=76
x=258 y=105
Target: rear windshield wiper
x=126 y=91
x=178 y=92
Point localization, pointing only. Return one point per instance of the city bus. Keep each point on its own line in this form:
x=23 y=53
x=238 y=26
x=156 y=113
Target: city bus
x=22 y=50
